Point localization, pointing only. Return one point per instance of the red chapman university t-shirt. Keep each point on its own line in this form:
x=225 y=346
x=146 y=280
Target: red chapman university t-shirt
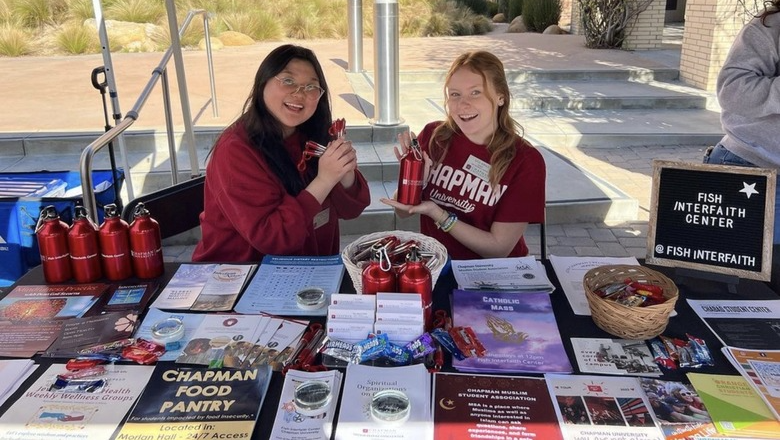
x=460 y=184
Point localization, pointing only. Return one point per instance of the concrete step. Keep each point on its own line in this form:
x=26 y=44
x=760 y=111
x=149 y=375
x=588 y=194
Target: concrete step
x=592 y=95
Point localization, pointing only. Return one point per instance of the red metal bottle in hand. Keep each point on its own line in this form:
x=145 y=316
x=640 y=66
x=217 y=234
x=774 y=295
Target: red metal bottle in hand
x=145 y=244
x=84 y=248
x=115 y=245
x=411 y=175
x=52 y=235
x=378 y=275
x=416 y=278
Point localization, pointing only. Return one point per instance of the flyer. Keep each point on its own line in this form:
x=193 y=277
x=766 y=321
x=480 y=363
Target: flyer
x=750 y=324
x=516 y=274
x=198 y=403
x=602 y=407
x=41 y=414
x=614 y=356
x=290 y=424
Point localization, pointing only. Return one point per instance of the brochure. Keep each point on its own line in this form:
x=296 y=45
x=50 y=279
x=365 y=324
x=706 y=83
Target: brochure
x=735 y=407
x=471 y=407
x=570 y=272
x=26 y=339
x=41 y=413
x=273 y=289
x=124 y=297
x=602 y=407
x=204 y=287
x=750 y=324
x=14 y=372
x=49 y=301
x=80 y=335
x=291 y=424
x=678 y=409
x=518 y=331
x=218 y=334
x=614 y=356
x=517 y=274
x=362 y=383
x=198 y=403
x=761 y=368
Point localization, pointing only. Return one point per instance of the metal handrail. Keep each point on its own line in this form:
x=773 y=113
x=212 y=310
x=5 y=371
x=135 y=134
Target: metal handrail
x=159 y=72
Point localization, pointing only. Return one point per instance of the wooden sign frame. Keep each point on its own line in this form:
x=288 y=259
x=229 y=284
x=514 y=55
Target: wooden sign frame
x=770 y=175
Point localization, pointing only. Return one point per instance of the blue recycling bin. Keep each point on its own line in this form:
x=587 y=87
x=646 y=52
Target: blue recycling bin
x=24 y=194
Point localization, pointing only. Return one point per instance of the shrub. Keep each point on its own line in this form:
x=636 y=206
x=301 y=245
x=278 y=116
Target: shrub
x=258 y=25
x=14 y=41
x=492 y=9
x=604 y=21
x=136 y=11
x=538 y=14
x=80 y=10
x=32 y=13
x=75 y=38
x=514 y=8
x=476 y=6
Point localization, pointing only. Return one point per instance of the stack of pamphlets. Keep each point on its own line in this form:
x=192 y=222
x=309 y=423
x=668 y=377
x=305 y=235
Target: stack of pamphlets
x=290 y=423
x=599 y=407
x=274 y=288
x=614 y=356
x=204 y=287
x=44 y=412
x=735 y=407
x=680 y=412
x=467 y=406
x=198 y=403
x=753 y=324
x=14 y=372
x=518 y=331
x=761 y=368
x=520 y=274
x=407 y=417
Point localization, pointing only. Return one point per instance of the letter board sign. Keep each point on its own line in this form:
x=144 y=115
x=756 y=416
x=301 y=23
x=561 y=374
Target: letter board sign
x=713 y=218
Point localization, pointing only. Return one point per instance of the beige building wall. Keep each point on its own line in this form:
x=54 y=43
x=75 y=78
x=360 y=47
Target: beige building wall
x=710 y=29
x=647 y=32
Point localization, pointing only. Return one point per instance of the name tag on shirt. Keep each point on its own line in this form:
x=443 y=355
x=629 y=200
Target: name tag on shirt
x=477 y=167
x=322 y=218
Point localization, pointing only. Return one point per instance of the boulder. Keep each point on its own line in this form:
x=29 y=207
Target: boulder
x=499 y=18
x=554 y=29
x=128 y=36
x=233 y=38
x=517 y=26
x=216 y=43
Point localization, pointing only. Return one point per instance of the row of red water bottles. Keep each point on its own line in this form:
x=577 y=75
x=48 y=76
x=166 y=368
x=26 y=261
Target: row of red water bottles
x=86 y=252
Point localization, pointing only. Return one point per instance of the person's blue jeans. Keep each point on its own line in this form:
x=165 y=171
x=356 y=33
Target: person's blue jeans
x=719 y=155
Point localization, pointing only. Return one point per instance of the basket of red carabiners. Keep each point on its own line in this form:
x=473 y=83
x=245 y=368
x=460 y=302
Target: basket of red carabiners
x=393 y=246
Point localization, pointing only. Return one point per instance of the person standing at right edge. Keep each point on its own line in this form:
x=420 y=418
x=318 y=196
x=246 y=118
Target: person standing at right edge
x=484 y=182
x=748 y=90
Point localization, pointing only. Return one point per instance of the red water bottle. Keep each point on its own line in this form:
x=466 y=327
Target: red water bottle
x=84 y=248
x=411 y=175
x=115 y=245
x=52 y=235
x=378 y=276
x=416 y=278
x=145 y=244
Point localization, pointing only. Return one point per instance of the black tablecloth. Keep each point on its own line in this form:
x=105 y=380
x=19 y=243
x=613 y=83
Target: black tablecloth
x=570 y=325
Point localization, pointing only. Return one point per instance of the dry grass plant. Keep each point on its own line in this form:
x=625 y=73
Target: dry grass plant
x=14 y=40
x=76 y=39
x=43 y=23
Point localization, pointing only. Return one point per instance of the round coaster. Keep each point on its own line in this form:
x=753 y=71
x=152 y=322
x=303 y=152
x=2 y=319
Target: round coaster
x=310 y=298
x=168 y=332
x=390 y=406
x=311 y=398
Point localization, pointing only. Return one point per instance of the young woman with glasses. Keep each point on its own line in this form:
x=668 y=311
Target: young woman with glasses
x=257 y=202
x=486 y=183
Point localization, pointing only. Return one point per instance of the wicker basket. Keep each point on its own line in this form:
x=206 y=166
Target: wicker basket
x=629 y=322
x=426 y=244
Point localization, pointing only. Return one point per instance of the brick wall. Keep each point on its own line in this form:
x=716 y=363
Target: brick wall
x=710 y=29
x=647 y=31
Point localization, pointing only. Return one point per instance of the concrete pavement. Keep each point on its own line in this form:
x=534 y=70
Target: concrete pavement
x=45 y=95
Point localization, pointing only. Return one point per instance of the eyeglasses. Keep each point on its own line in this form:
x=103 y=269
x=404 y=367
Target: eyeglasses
x=310 y=91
